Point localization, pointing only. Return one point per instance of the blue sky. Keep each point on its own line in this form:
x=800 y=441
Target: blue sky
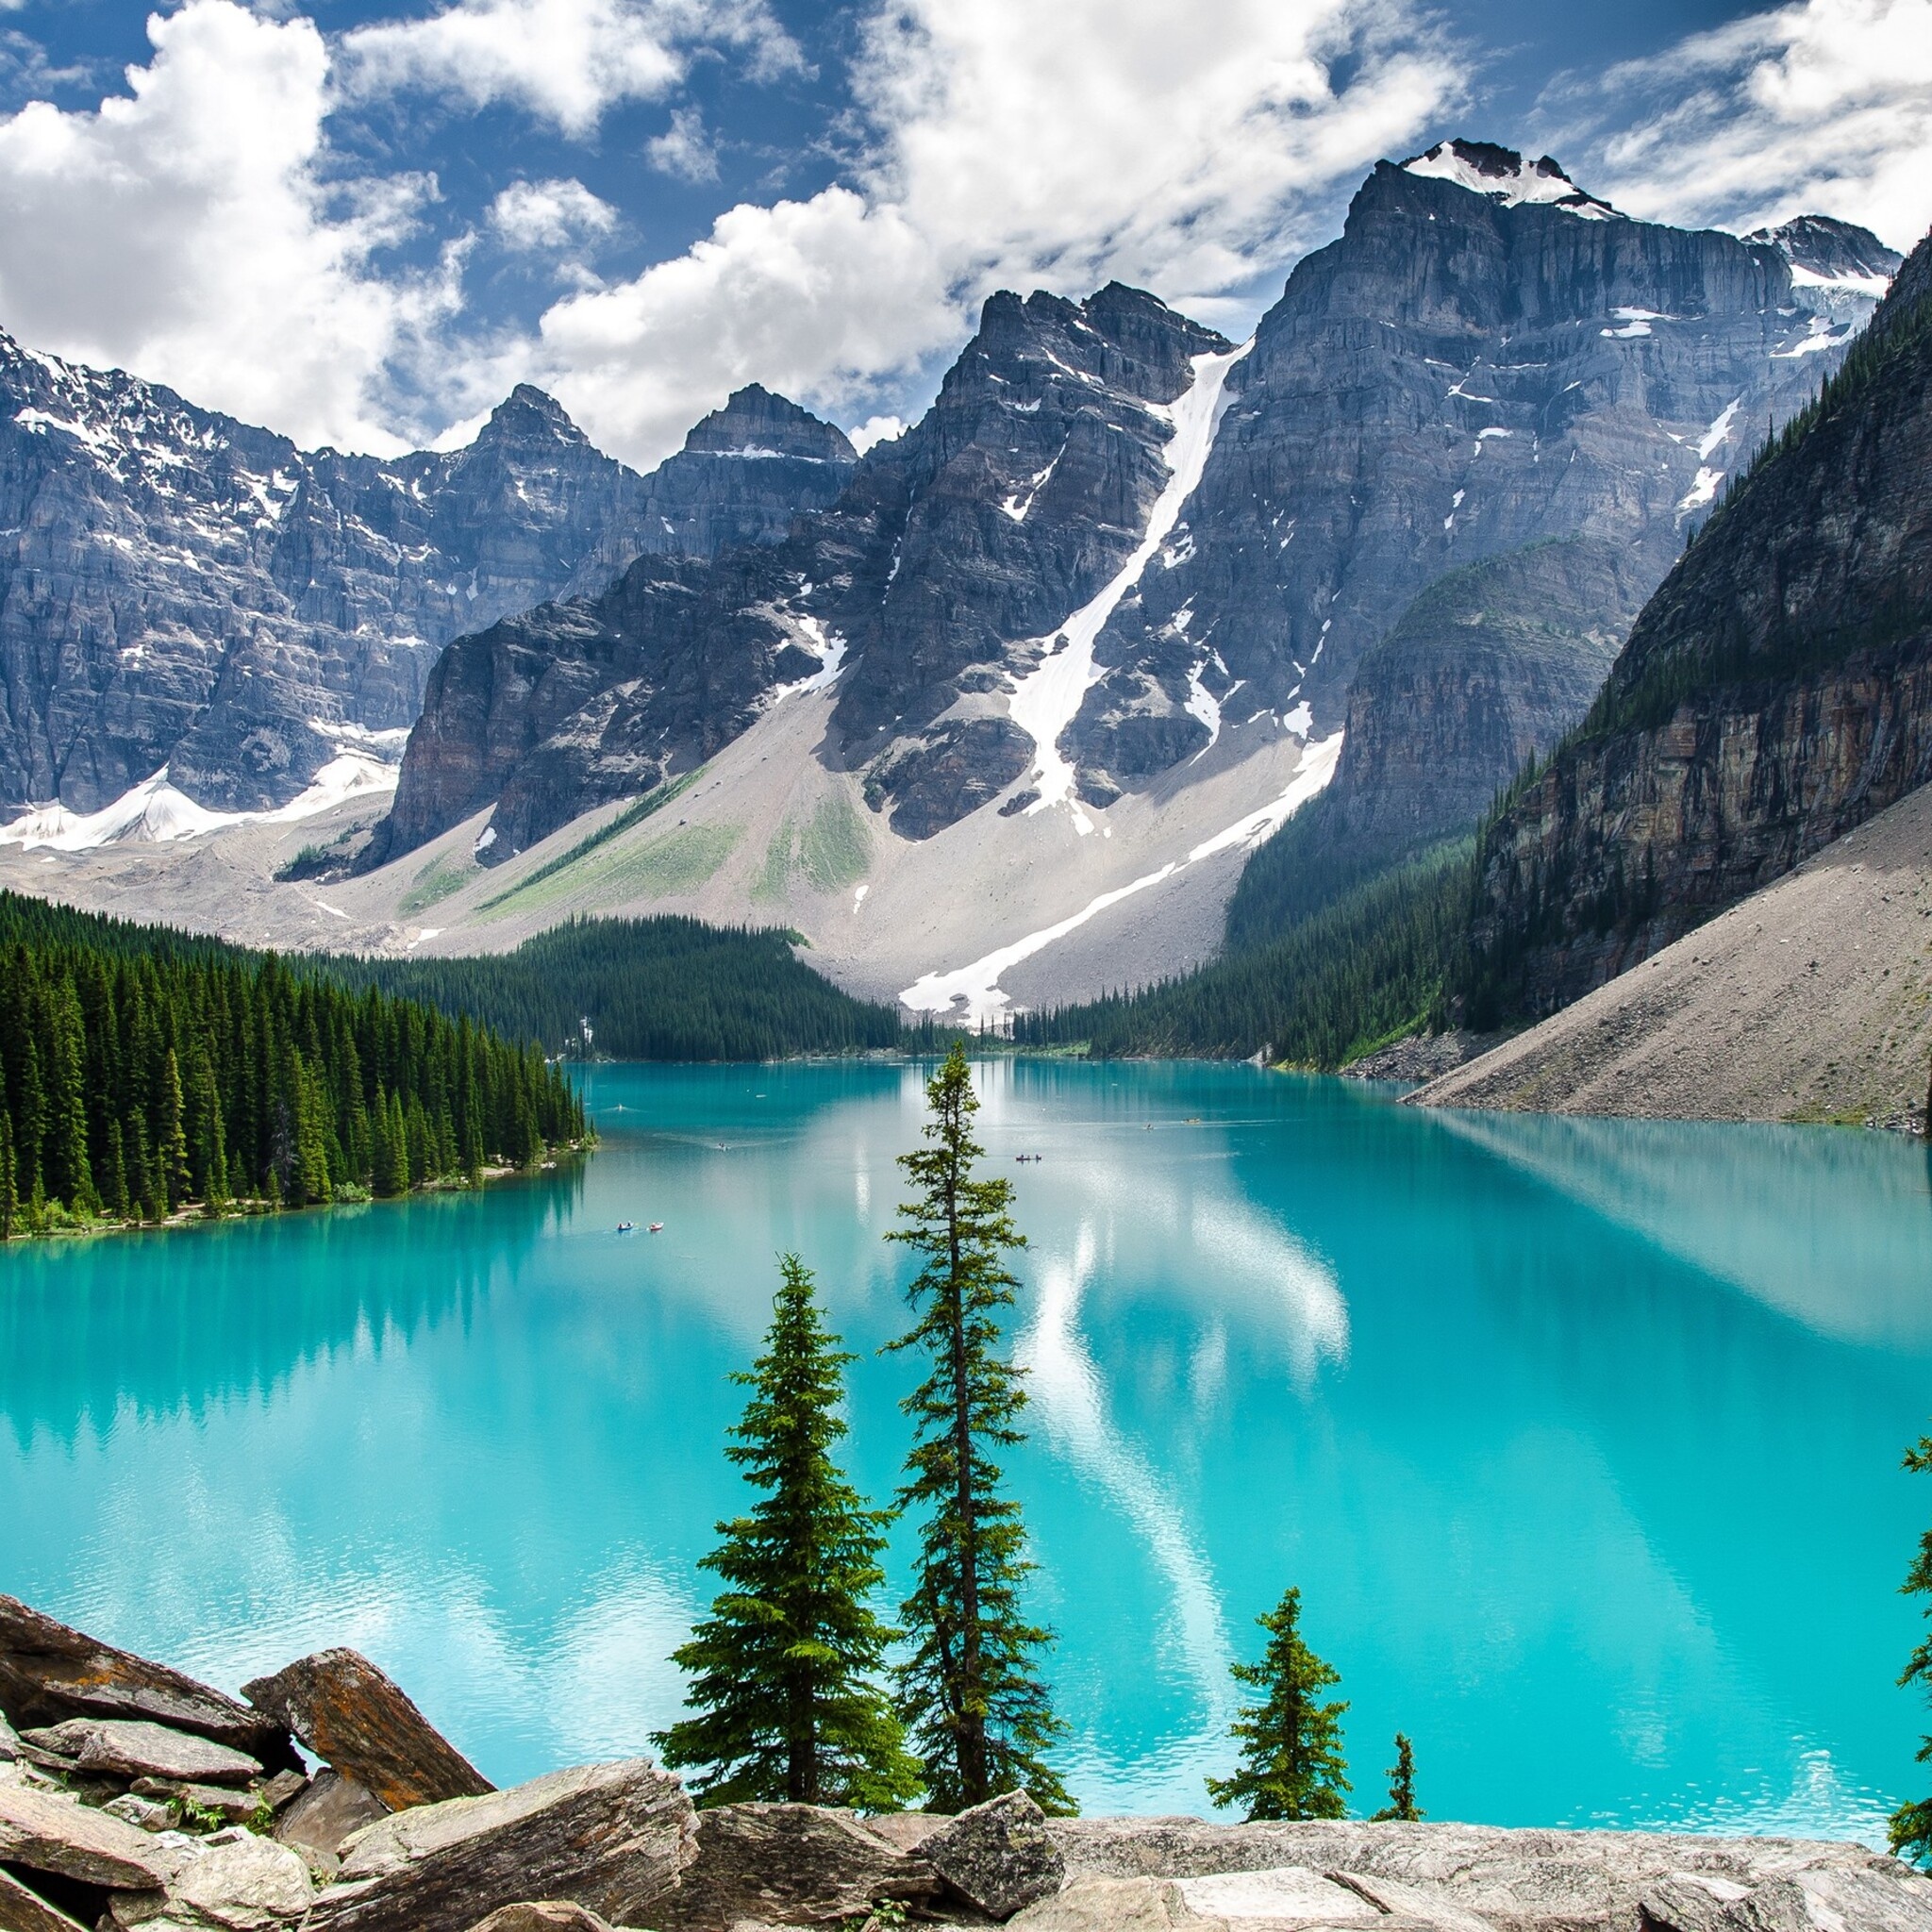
x=361 y=222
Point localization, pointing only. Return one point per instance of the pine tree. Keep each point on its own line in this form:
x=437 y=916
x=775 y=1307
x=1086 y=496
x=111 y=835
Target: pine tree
x=10 y=1181
x=1401 y=1808
x=786 y=1666
x=172 y=1154
x=1911 y=1824
x=1292 y=1765
x=977 y=1712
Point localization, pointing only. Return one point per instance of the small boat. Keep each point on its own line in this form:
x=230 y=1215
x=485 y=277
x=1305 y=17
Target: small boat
x=626 y=1228
x=655 y=1227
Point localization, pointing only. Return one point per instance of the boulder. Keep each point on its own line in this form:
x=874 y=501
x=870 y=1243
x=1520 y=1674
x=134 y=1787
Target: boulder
x=131 y=1747
x=232 y=1807
x=1704 y=1905
x=909 y=1830
x=49 y=1672
x=323 y=1816
x=542 y=1915
x=613 y=1837
x=232 y=1882
x=9 y=1741
x=358 y=1721
x=791 y=1865
x=1117 y=1905
x=142 y=1812
x=1286 y=1895
x=47 y=1832
x=998 y=1857
x=22 y=1910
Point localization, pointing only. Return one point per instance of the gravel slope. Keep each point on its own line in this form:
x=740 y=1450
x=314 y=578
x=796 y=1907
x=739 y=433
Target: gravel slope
x=1810 y=1000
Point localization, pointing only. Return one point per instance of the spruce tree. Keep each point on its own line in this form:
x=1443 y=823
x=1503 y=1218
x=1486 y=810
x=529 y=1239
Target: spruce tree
x=977 y=1711
x=1401 y=1807
x=1911 y=1824
x=1291 y=1764
x=10 y=1182
x=172 y=1151
x=785 y=1669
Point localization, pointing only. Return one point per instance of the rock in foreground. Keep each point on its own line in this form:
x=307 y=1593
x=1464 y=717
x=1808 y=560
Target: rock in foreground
x=1467 y=1878
x=789 y=1865
x=997 y=1856
x=353 y=1716
x=613 y=1837
x=50 y=1672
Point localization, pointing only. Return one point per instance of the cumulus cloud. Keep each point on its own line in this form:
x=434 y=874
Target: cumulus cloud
x=1009 y=143
x=684 y=149
x=564 y=61
x=875 y=430
x=183 y=229
x=533 y=215
x=1820 y=106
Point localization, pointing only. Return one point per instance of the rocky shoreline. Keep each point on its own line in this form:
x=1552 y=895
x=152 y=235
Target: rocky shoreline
x=323 y=1801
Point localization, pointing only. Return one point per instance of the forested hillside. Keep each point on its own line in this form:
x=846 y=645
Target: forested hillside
x=143 y=1070
x=643 y=990
x=1347 y=972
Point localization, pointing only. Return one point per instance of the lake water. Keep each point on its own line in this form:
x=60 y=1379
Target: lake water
x=1581 y=1438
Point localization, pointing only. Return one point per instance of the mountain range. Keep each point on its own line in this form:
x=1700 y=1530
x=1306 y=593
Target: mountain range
x=994 y=712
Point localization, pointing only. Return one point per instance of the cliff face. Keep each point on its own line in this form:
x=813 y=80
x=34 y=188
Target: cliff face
x=1488 y=668
x=743 y=475
x=1777 y=691
x=1486 y=359
x=180 y=588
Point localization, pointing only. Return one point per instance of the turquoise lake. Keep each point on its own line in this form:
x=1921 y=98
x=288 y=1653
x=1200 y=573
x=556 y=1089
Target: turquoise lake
x=1580 y=1437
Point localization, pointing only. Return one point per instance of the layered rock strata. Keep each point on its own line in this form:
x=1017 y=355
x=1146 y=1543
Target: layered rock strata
x=1775 y=693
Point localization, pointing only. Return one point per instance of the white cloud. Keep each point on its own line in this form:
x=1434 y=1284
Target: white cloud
x=875 y=430
x=532 y=215
x=1821 y=107
x=182 y=230
x=1011 y=144
x=565 y=62
x=684 y=150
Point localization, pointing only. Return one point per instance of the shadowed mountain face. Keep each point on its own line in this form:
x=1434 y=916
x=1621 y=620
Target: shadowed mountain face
x=1488 y=360
x=947 y=562
x=179 y=588
x=1775 y=693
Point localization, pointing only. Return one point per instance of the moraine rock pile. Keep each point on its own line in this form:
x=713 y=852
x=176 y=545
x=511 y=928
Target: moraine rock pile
x=133 y=1797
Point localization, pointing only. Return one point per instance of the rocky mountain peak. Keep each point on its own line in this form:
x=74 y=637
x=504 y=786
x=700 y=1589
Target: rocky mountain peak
x=1826 y=253
x=530 y=416
x=756 y=422
x=1502 y=175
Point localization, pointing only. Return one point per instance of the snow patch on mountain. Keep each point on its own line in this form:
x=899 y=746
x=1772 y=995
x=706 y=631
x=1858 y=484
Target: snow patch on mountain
x=1046 y=700
x=970 y=995
x=1502 y=174
x=157 y=813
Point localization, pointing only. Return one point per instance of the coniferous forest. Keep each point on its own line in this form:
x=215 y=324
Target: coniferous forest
x=145 y=1070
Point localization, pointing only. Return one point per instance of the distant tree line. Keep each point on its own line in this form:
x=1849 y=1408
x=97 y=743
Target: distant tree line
x=664 y=988
x=1368 y=966
x=142 y=1070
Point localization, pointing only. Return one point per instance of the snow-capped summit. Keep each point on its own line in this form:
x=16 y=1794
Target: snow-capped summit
x=1503 y=175
x=1828 y=254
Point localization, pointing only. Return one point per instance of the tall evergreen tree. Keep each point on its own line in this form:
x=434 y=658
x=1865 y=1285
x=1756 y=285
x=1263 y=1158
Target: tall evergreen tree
x=969 y=1694
x=1401 y=1807
x=172 y=1149
x=1911 y=1824
x=1291 y=1764
x=785 y=1669
x=10 y=1182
